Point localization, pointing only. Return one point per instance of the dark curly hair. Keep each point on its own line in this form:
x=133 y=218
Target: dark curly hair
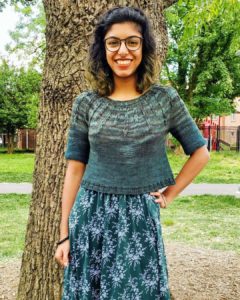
x=98 y=73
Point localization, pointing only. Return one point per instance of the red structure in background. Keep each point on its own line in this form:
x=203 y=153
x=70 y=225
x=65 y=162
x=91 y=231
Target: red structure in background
x=26 y=138
x=210 y=130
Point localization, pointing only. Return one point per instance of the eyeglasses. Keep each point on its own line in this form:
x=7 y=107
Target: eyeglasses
x=132 y=43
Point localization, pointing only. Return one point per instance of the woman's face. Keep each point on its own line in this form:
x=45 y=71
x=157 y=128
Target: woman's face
x=124 y=62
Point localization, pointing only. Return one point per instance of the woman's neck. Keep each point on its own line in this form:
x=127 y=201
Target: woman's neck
x=125 y=88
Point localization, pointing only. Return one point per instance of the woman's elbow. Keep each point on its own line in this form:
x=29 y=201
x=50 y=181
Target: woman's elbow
x=202 y=153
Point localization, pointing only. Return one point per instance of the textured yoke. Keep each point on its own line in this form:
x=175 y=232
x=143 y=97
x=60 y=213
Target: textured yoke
x=123 y=143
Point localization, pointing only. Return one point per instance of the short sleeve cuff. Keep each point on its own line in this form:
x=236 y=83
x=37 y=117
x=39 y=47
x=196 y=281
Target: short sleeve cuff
x=76 y=156
x=189 y=149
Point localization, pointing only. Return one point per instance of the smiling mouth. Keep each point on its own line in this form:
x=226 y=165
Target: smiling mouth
x=123 y=62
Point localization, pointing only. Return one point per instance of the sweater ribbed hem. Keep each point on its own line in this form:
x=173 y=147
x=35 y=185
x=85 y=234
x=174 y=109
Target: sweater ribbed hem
x=128 y=190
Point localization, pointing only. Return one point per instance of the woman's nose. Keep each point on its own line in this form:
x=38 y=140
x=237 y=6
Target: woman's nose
x=123 y=49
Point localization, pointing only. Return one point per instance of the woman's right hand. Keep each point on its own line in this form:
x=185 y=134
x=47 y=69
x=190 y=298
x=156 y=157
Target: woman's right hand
x=62 y=253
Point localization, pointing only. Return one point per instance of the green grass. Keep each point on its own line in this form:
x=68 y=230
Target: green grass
x=201 y=221
x=204 y=221
x=13 y=221
x=223 y=167
x=16 y=167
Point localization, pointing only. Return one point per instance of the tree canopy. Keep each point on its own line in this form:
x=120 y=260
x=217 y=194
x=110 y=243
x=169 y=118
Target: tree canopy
x=19 y=98
x=28 y=38
x=202 y=61
x=4 y=3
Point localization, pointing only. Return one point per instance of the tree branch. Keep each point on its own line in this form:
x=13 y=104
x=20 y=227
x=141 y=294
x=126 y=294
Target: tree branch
x=169 y=76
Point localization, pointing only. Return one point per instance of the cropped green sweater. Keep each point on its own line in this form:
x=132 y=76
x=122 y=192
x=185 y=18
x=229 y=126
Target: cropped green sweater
x=123 y=143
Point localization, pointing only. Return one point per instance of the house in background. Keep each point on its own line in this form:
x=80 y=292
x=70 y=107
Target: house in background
x=25 y=138
x=223 y=131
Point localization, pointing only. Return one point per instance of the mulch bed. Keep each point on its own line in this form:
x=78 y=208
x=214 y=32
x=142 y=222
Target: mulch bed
x=194 y=274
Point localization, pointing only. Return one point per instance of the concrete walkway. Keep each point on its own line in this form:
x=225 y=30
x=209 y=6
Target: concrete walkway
x=192 y=189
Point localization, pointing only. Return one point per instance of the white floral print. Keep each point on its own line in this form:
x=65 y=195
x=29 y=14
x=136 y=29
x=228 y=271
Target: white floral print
x=116 y=248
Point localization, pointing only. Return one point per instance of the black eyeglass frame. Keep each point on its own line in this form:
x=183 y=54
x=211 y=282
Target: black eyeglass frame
x=141 y=39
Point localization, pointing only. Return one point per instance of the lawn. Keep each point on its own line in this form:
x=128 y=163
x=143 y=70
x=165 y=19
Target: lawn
x=13 y=221
x=223 y=167
x=207 y=221
x=203 y=221
x=16 y=167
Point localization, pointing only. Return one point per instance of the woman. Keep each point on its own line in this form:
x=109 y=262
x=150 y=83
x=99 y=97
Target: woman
x=110 y=236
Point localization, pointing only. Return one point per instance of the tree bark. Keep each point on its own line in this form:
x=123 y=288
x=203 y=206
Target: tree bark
x=10 y=138
x=69 y=28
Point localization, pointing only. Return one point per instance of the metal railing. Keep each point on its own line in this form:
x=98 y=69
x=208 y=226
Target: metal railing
x=221 y=138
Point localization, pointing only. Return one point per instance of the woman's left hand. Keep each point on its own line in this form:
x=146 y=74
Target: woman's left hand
x=161 y=199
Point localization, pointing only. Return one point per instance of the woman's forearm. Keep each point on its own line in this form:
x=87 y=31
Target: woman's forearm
x=72 y=181
x=189 y=171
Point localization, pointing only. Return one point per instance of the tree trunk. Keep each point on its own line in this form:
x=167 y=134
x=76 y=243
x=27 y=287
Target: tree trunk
x=69 y=27
x=10 y=145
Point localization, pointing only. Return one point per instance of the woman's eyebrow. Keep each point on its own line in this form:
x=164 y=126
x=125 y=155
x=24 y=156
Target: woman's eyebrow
x=119 y=38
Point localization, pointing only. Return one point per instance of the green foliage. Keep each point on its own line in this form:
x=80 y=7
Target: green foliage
x=32 y=108
x=19 y=96
x=28 y=38
x=4 y=3
x=202 y=62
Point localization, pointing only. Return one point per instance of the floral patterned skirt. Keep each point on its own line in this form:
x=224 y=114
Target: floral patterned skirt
x=116 y=248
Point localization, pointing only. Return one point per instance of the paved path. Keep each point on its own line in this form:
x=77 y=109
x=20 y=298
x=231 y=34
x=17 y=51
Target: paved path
x=192 y=189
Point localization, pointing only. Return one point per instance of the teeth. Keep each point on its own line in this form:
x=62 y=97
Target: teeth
x=123 y=62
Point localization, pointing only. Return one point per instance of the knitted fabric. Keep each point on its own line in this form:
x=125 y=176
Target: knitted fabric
x=123 y=143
